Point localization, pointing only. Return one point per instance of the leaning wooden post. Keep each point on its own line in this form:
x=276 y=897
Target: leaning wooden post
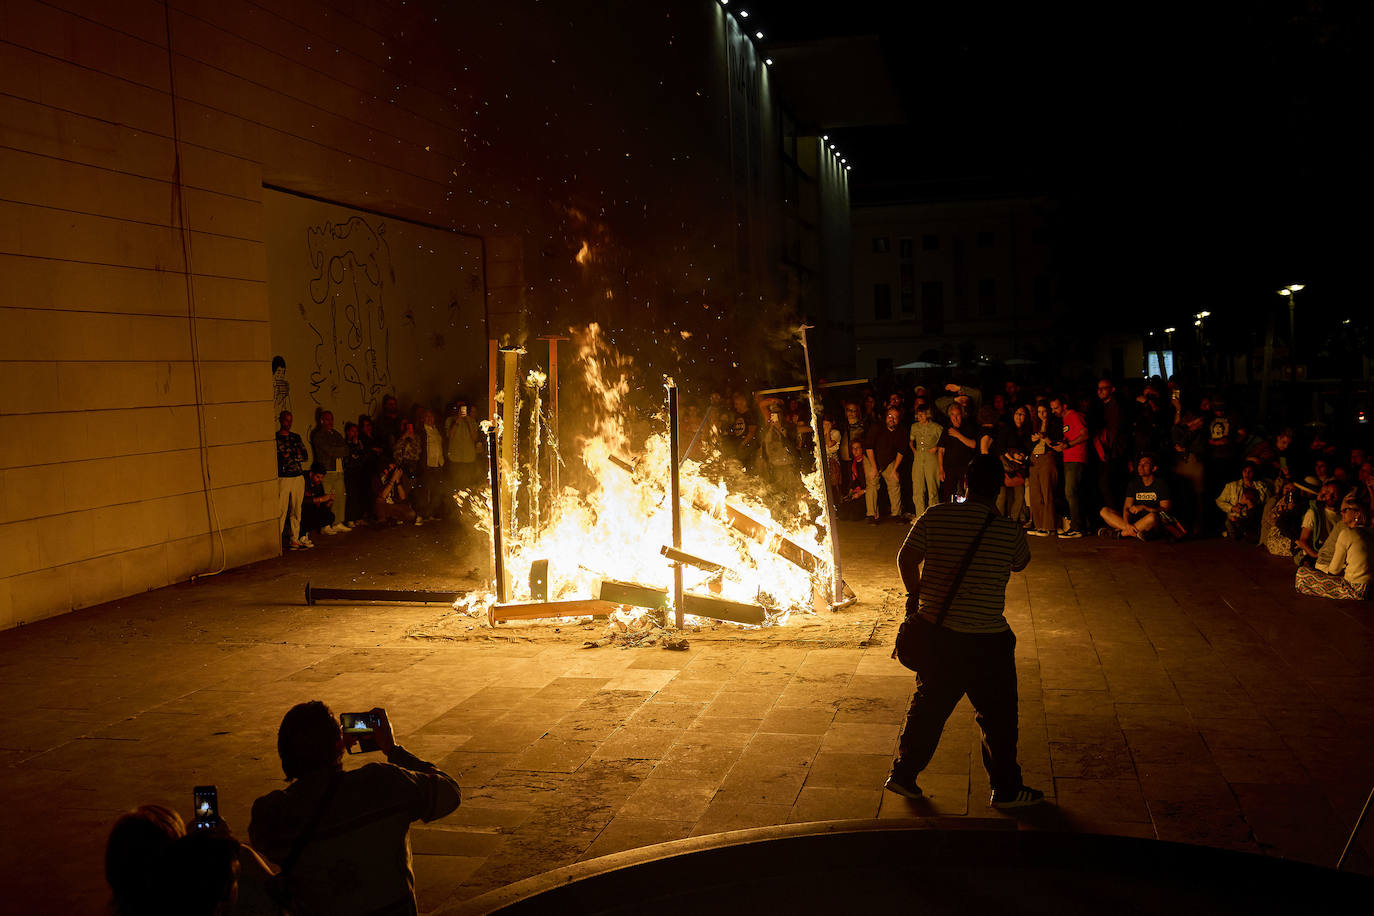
x=510 y=364
x=818 y=436
x=498 y=554
x=675 y=497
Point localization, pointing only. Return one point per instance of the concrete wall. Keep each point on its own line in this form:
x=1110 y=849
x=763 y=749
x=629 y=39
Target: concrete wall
x=136 y=141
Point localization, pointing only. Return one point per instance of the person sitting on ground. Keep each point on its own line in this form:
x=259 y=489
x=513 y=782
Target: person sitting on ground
x=1244 y=517
x=1321 y=518
x=317 y=511
x=1282 y=522
x=1231 y=497
x=390 y=502
x=342 y=838
x=1346 y=575
x=1146 y=497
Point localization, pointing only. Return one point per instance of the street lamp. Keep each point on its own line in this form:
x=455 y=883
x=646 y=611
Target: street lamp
x=1290 y=292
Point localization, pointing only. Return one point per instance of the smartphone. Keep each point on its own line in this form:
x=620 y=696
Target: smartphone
x=362 y=726
x=205 y=804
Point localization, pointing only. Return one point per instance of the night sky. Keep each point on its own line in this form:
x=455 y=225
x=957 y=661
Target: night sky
x=1204 y=154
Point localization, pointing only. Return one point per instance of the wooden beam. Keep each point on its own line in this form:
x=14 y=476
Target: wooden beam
x=533 y=610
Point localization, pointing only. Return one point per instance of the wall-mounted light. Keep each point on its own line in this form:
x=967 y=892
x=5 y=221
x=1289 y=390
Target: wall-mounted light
x=768 y=61
x=758 y=35
x=744 y=14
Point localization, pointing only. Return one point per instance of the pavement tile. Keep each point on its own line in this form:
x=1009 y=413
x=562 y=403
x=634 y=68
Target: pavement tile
x=1114 y=800
x=764 y=785
x=688 y=760
x=791 y=720
x=631 y=833
x=729 y=730
x=888 y=709
x=768 y=750
x=861 y=738
x=670 y=799
x=648 y=679
x=438 y=878
x=1259 y=765
x=741 y=704
x=1089 y=760
x=839 y=770
x=555 y=755
x=829 y=803
x=453 y=840
x=727 y=813
x=655 y=714
x=639 y=742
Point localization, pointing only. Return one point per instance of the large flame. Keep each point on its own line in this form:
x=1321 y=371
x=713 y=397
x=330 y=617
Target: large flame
x=616 y=529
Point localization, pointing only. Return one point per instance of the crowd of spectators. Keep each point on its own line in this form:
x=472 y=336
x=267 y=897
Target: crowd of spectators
x=389 y=469
x=1137 y=461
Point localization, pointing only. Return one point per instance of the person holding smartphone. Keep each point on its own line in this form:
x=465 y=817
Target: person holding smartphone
x=330 y=822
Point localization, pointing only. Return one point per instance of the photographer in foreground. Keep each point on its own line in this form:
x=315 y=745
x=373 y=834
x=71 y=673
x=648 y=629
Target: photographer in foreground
x=341 y=838
x=960 y=640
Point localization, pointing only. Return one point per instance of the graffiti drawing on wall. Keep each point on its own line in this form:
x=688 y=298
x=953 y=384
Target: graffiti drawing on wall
x=351 y=276
x=281 y=388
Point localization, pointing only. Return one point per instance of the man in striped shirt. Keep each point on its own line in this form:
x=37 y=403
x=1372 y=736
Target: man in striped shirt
x=966 y=645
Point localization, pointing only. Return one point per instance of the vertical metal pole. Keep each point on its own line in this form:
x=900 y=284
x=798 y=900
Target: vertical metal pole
x=491 y=380
x=836 y=579
x=510 y=365
x=497 y=551
x=675 y=496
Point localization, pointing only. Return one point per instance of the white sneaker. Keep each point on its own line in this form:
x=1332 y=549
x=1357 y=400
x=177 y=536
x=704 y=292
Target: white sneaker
x=419 y=520
x=306 y=542
x=348 y=526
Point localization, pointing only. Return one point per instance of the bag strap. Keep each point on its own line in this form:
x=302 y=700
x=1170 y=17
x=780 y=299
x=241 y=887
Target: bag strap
x=963 y=568
x=306 y=835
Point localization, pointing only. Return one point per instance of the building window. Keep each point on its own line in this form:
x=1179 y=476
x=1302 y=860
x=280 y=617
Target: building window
x=985 y=240
x=933 y=307
x=904 y=249
x=882 y=301
x=930 y=242
x=1044 y=293
x=881 y=245
x=987 y=297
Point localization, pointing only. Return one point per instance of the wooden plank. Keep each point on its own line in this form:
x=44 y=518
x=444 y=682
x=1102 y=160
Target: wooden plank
x=534 y=610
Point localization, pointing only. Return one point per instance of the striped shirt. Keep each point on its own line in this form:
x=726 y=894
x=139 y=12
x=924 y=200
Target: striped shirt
x=942 y=538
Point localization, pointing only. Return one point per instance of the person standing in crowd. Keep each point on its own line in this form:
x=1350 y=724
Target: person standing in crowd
x=464 y=468
x=388 y=426
x=329 y=450
x=958 y=445
x=1044 y=470
x=884 y=449
x=357 y=481
x=777 y=452
x=291 y=458
x=925 y=468
x=1190 y=452
x=957 y=602
x=430 y=497
x=1109 y=445
x=406 y=452
x=1014 y=447
x=1073 y=447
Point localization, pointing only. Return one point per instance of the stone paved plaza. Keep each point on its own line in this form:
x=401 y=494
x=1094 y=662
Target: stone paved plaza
x=1175 y=691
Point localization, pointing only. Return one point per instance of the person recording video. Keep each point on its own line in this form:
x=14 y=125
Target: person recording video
x=330 y=822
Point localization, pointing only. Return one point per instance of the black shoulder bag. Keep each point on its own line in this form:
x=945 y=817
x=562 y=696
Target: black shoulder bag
x=914 y=644
x=277 y=886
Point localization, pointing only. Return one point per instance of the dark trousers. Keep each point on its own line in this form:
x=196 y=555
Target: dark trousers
x=982 y=665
